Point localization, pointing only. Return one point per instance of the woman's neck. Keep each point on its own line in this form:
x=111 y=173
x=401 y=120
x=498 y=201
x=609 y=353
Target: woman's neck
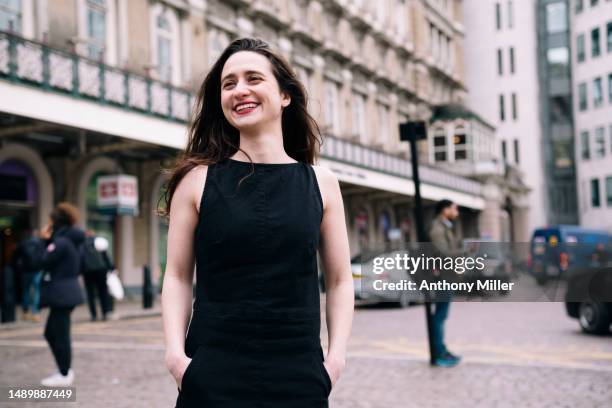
x=262 y=147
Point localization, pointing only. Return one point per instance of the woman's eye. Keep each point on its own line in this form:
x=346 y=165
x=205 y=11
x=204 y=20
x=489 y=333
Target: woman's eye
x=254 y=78
x=227 y=85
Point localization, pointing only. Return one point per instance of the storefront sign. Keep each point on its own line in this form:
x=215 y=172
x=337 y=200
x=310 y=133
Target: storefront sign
x=118 y=194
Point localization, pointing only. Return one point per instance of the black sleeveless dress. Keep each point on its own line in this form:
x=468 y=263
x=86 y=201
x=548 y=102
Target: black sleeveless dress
x=254 y=333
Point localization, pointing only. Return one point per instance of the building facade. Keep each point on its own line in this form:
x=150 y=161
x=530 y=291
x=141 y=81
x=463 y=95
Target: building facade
x=90 y=88
x=508 y=80
x=591 y=62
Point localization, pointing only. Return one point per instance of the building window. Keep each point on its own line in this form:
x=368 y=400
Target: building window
x=610 y=88
x=400 y=17
x=383 y=122
x=359 y=122
x=514 y=107
x=594 y=3
x=580 y=47
x=510 y=14
x=96 y=28
x=595 y=201
x=579 y=6
x=609 y=37
x=439 y=145
x=556 y=18
x=595 y=48
x=217 y=41
x=331 y=108
x=500 y=62
x=10 y=15
x=166 y=53
x=460 y=143
x=502 y=109
x=585 y=150
x=517 y=152
x=597 y=93
x=512 y=60
x=610 y=139
x=609 y=191
x=504 y=151
x=498 y=17
x=381 y=11
x=582 y=97
x=600 y=142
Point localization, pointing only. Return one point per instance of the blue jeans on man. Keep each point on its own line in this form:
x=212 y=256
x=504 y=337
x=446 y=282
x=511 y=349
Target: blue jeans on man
x=31 y=292
x=442 y=357
x=438 y=319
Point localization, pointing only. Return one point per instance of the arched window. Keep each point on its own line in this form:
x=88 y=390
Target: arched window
x=217 y=41
x=165 y=46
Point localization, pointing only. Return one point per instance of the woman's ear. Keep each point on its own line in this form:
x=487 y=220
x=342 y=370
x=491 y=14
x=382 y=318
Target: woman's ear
x=285 y=100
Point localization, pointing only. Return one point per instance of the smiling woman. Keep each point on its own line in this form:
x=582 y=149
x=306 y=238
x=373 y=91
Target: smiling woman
x=249 y=210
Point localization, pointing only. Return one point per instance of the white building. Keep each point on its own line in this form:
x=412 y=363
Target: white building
x=592 y=84
x=501 y=75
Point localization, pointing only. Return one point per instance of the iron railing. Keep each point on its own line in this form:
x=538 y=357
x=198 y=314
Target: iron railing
x=33 y=63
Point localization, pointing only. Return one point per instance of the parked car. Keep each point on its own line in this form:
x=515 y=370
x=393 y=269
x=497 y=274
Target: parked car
x=364 y=279
x=554 y=250
x=589 y=298
x=498 y=262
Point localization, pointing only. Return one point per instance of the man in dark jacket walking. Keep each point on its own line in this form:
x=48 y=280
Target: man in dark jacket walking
x=61 y=290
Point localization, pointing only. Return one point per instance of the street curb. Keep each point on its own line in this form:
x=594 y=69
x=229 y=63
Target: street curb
x=127 y=315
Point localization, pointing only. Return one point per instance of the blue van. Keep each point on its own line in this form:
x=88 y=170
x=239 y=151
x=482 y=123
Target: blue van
x=556 y=249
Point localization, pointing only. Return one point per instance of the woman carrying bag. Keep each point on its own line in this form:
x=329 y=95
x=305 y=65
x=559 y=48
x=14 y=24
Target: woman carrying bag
x=61 y=290
x=248 y=207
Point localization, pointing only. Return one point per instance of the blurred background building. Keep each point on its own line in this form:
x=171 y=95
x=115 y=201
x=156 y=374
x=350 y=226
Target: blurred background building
x=95 y=97
x=518 y=78
x=591 y=34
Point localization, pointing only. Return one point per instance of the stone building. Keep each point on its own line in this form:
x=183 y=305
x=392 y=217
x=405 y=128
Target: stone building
x=91 y=88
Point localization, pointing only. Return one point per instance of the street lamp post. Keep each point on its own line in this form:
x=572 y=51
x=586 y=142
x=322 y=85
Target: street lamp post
x=411 y=132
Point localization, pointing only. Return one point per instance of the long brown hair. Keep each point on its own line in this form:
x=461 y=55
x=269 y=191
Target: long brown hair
x=212 y=138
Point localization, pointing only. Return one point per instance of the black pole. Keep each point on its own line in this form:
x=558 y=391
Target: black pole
x=413 y=131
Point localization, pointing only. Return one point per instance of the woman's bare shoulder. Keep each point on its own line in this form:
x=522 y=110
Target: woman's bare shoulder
x=193 y=184
x=328 y=183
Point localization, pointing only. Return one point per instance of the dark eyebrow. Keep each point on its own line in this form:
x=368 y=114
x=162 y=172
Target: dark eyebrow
x=247 y=73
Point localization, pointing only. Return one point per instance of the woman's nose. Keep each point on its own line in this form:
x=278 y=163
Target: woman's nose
x=241 y=88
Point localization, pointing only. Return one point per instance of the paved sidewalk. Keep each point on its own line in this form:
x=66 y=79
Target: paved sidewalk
x=125 y=309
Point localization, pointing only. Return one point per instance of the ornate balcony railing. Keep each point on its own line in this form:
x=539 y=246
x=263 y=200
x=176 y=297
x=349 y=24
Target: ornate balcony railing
x=33 y=63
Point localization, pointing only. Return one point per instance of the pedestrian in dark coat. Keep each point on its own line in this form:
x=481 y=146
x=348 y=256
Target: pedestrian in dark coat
x=61 y=290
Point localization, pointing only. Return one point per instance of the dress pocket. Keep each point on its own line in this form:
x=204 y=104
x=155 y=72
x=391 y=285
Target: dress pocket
x=188 y=370
x=324 y=373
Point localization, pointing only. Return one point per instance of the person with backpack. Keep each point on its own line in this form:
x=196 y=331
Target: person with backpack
x=60 y=288
x=28 y=261
x=95 y=267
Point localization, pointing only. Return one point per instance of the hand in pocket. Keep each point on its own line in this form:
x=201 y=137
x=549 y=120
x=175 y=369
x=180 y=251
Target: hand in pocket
x=179 y=369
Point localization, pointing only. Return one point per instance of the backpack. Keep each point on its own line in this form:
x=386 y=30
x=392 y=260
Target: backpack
x=33 y=251
x=93 y=260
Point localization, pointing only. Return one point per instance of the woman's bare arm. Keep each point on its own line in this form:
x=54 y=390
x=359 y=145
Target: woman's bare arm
x=335 y=255
x=176 y=295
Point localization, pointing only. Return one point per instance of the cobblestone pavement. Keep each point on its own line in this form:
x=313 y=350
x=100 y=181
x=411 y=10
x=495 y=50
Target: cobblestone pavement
x=515 y=354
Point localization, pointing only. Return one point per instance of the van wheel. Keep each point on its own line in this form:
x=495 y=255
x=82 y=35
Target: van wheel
x=594 y=317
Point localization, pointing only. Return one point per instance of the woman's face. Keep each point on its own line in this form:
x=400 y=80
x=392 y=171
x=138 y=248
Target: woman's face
x=250 y=95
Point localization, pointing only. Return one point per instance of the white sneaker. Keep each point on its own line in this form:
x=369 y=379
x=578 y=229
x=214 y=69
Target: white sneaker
x=59 y=380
